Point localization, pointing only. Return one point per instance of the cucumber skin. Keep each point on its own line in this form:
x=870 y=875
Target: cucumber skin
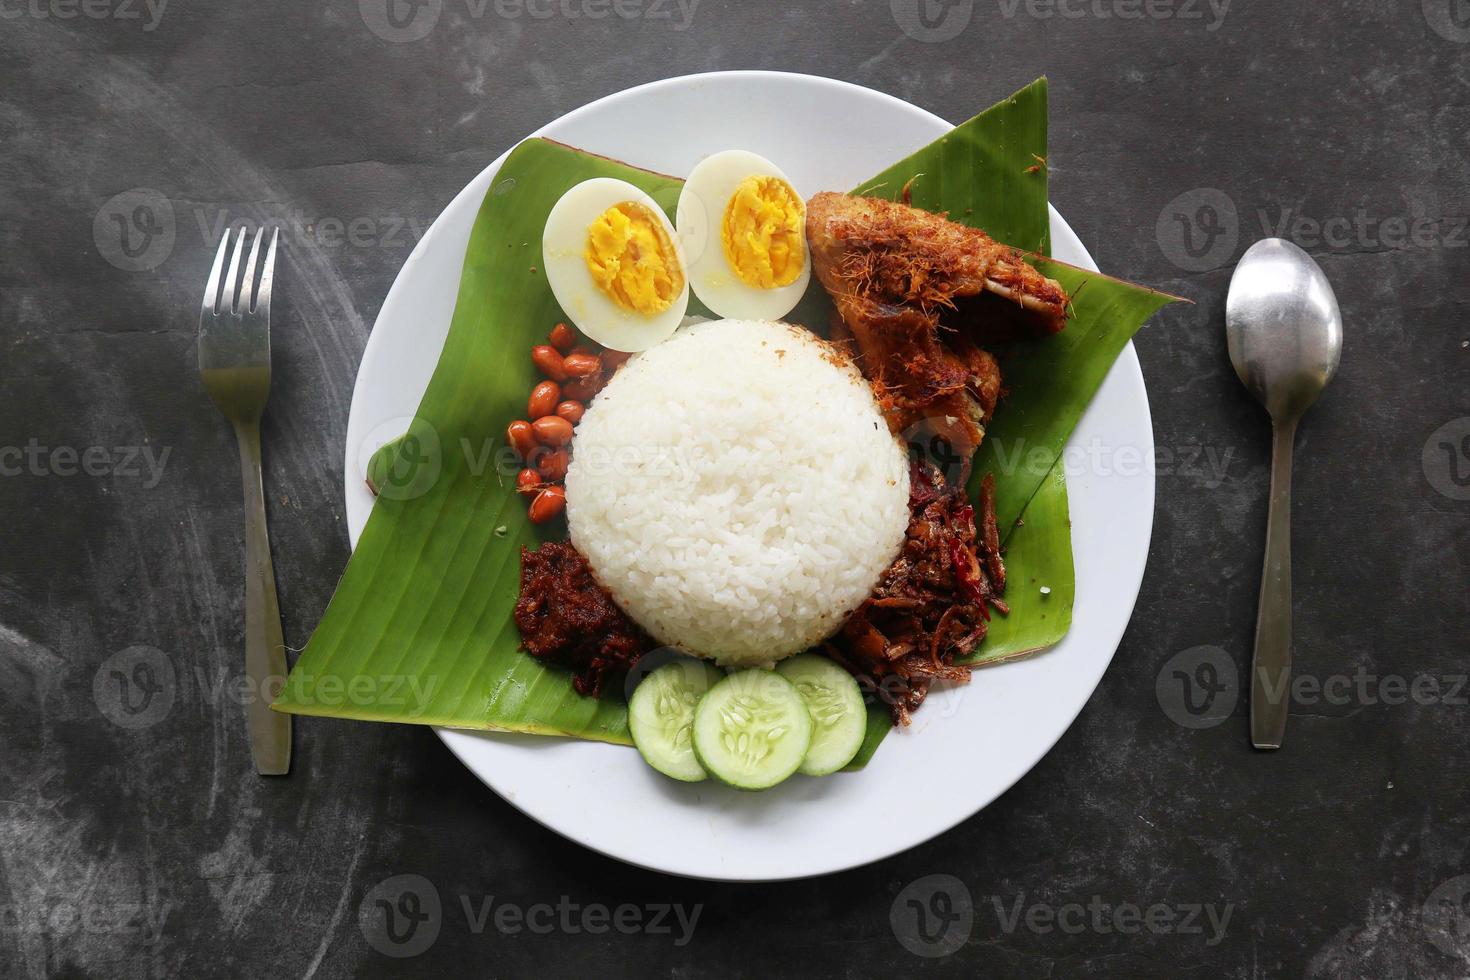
x=714 y=676
x=815 y=663
x=713 y=771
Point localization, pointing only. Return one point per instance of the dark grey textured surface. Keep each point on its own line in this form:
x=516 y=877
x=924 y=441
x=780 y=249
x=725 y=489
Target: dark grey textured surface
x=1337 y=857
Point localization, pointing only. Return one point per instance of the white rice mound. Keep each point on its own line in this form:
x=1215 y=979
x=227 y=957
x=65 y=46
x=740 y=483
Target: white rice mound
x=737 y=490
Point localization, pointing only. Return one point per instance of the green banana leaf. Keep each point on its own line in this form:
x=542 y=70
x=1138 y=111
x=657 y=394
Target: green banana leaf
x=990 y=173
x=430 y=588
x=1052 y=381
x=420 y=628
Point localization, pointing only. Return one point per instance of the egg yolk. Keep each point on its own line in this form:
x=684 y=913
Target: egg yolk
x=762 y=232
x=632 y=259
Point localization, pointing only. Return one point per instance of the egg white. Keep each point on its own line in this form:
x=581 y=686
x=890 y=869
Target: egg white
x=699 y=217
x=563 y=248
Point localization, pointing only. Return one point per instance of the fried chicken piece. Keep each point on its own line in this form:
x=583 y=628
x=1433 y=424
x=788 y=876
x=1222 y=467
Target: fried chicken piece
x=885 y=254
x=919 y=294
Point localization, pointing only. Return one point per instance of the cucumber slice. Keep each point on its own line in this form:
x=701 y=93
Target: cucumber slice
x=752 y=729
x=661 y=711
x=836 y=704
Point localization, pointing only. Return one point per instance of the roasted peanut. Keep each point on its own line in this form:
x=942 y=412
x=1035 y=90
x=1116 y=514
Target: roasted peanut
x=549 y=362
x=581 y=365
x=571 y=411
x=552 y=465
x=563 y=337
x=528 y=483
x=552 y=430
x=543 y=399
x=614 y=359
x=521 y=437
x=582 y=389
x=548 y=503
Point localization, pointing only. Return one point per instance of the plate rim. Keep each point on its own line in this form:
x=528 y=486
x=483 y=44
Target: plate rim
x=1126 y=368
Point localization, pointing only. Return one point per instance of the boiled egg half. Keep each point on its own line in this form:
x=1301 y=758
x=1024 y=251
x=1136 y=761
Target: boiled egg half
x=743 y=228
x=615 y=264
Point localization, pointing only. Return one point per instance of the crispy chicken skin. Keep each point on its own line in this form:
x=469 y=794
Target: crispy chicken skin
x=918 y=294
x=885 y=254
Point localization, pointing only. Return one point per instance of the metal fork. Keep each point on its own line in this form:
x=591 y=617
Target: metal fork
x=235 y=363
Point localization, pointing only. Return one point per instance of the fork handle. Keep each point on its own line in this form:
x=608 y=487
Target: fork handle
x=265 y=647
x=1271 y=669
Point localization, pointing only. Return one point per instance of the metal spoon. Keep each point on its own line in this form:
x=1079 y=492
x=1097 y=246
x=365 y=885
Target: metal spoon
x=1285 y=336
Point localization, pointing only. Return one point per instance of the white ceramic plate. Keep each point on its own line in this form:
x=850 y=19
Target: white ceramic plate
x=967 y=744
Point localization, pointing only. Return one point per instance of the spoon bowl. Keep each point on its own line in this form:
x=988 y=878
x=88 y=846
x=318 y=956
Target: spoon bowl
x=1283 y=327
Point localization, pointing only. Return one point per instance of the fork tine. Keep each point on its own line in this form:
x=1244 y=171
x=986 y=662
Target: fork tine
x=263 y=295
x=211 y=288
x=247 y=284
x=232 y=280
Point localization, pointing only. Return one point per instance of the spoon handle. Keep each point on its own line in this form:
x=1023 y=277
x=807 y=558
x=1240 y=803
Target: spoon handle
x=1271 y=668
